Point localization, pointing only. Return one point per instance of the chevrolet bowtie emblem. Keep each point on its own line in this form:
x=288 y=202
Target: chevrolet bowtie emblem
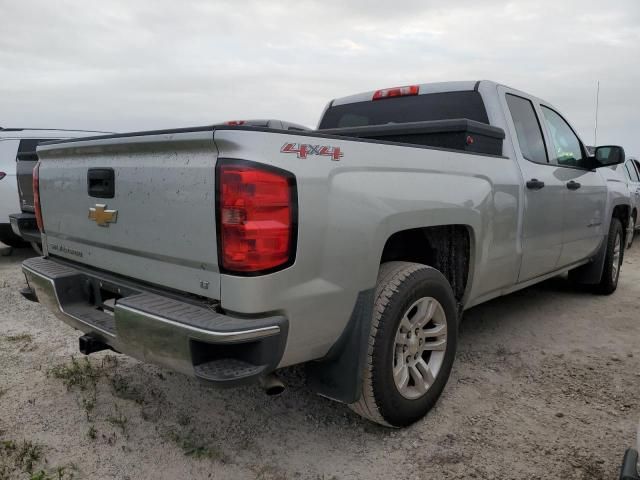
x=102 y=216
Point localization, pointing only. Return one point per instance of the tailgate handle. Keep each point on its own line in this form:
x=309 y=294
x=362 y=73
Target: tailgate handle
x=101 y=182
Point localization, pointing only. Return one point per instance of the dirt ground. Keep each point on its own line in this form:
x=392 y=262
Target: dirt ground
x=546 y=385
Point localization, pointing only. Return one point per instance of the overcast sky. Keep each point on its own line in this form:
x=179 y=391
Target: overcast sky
x=131 y=65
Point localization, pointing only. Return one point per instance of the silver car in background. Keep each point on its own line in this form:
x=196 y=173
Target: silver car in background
x=17 y=159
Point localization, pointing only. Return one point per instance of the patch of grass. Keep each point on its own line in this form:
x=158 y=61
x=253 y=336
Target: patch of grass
x=77 y=373
x=118 y=420
x=109 y=362
x=89 y=405
x=184 y=419
x=18 y=456
x=20 y=338
x=27 y=454
x=92 y=433
x=194 y=446
x=60 y=473
x=121 y=388
x=83 y=375
x=270 y=472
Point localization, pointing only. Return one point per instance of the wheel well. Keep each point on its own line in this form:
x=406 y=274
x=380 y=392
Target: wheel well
x=446 y=248
x=621 y=212
x=634 y=214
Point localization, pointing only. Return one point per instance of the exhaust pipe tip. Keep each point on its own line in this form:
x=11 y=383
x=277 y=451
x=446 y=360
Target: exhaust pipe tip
x=272 y=385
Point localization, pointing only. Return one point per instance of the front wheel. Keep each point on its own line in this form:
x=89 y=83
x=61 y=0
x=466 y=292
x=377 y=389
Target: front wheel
x=613 y=259
x=412 y=344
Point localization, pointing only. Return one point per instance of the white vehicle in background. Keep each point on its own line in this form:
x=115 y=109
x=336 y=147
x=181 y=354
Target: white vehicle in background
x=630 y=170
x=17 y=159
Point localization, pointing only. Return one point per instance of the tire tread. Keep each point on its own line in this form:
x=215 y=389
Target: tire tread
x=390 y=279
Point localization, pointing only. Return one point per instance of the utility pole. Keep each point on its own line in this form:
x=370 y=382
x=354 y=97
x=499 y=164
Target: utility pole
x=595 y=131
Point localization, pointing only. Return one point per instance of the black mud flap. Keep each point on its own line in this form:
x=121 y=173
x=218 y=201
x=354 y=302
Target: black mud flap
x=591 y=273
x=339 y=375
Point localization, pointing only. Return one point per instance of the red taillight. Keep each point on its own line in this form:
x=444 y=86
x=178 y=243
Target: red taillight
x=256 y=217
x=235 y=123
x=396 y=92
x=2 y=175
x=36 y=196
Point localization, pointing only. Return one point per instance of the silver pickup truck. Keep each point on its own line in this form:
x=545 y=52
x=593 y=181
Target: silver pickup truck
x=227 y=252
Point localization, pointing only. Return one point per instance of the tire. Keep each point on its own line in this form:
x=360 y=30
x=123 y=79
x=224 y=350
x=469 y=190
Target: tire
x=403 y=293
x=613 y=259
x=632 y=230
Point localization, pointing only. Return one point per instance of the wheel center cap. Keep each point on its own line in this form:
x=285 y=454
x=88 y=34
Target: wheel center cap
x=413 y=345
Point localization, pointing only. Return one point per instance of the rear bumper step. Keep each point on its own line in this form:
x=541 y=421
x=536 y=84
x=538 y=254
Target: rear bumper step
x=193 y=339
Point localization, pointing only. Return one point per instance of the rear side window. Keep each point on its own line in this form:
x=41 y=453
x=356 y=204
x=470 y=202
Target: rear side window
x=528 y=129
x=27 y=147
x=416 y=108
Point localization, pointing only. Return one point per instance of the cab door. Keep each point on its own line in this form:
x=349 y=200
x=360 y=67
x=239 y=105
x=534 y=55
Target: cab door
x=631 y=172
x=585 y=192
x=542 y=188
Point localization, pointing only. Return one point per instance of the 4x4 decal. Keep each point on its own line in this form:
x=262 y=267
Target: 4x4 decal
x=303 y=150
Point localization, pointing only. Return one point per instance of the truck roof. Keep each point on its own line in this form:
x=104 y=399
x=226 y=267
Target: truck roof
x=425 y=88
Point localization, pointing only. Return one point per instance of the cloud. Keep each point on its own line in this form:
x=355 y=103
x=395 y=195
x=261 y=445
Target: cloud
x=124 y=65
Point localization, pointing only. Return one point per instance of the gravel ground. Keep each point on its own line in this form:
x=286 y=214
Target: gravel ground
x=546 y=385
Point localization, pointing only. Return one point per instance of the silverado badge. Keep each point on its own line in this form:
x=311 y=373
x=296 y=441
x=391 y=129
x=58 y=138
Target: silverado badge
x=102 y=216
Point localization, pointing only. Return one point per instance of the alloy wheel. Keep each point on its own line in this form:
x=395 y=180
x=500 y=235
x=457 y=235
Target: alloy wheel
x=420 y=343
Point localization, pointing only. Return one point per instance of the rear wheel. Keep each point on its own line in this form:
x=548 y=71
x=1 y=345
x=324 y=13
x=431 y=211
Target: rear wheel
x=613 y=259
x=412 y=344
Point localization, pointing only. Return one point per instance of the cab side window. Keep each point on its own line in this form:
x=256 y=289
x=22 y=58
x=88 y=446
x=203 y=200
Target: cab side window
x=566 y=150
x=528 y=129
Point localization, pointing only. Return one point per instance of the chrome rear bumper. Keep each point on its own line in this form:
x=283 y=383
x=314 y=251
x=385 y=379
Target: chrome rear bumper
x=185 y=336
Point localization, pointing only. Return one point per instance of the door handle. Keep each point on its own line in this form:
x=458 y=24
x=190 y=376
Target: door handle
x=573 y=185
x=535 y=184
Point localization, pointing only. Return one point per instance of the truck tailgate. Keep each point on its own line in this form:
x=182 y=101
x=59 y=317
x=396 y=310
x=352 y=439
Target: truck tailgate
x=158 y=222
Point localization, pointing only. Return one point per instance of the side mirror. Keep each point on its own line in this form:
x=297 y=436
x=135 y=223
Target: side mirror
x=608 y=155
